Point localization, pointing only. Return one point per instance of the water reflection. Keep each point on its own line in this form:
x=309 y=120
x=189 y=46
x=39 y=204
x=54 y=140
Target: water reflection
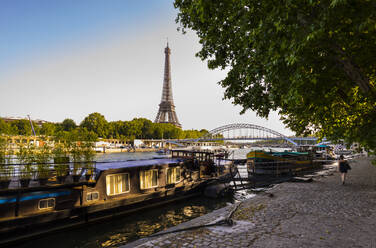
x=119 y=231
x=189 y=211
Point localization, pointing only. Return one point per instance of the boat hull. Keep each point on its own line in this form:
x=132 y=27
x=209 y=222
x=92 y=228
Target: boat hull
x=13 y=231
x=268 y=163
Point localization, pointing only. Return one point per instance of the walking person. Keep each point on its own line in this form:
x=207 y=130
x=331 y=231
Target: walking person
x=343 y=167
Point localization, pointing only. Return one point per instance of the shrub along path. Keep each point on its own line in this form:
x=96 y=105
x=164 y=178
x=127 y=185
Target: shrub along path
x=323 y=213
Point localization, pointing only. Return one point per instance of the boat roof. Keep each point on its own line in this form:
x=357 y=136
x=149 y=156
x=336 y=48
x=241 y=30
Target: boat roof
x=322 y=146
x=102 y=166
x=281 y=153
x=290 y=153
x=277 y=154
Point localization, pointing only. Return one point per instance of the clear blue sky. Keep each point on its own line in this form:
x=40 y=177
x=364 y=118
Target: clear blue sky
x=68 y=58
x=32 y=27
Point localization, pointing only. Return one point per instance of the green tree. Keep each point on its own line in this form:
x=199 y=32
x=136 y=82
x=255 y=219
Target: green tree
x=78 y=135
x=158 y=131
x=146 y=127
x=3 y=149
x=48 y=129
x=132 y=129
x=115 y=129
x=204 y=132
x=97 y=123
x=6 y=128
x=172 y=132
x=87 y=136
x=68 y=124
x=194 y=134
x=313 y=61
x=21 y=127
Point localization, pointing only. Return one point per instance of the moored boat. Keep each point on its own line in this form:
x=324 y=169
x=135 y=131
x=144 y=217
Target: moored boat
x=276 y=163
x=115 y=188
x=164 y=153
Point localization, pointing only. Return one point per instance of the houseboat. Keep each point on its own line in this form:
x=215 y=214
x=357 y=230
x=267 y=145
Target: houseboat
x=104 y=190
x=277 y=163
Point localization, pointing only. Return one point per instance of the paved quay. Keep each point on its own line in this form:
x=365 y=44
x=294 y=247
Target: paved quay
x=322 y=213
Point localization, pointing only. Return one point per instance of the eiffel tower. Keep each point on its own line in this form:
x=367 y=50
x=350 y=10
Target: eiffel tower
x=166 y=112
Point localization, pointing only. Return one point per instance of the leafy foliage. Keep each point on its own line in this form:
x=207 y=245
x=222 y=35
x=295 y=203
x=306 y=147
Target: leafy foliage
x=49 y=129
x=95 y=125
x=313 y=61
x=2 y=151
x=68 y=124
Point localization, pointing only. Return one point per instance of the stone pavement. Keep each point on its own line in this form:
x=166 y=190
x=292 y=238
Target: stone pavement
x=323 y=213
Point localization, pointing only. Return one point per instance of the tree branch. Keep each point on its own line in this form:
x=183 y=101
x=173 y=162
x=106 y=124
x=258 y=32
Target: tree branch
x=353 y=71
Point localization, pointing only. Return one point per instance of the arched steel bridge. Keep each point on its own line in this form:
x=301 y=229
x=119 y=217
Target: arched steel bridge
x=244 y=131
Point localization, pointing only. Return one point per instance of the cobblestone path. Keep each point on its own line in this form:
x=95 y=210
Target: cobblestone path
x=323 y=213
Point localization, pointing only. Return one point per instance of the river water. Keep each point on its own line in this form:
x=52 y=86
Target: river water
x=119 y=231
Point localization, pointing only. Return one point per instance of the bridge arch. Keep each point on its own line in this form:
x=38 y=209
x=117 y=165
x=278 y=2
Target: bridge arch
x=238 y=126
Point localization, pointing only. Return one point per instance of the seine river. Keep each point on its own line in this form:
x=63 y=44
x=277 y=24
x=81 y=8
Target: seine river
x=119 y=231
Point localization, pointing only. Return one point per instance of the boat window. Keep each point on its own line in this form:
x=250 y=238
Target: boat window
x=148 y=179
x=92 y=196
x=117 y=184
x=46 y=203
x=173 y=175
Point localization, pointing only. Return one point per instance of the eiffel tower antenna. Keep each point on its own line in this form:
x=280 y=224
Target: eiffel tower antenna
x=166 y=112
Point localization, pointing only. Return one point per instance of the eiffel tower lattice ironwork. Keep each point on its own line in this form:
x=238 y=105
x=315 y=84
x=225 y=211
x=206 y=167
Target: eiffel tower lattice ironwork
x=166 y=112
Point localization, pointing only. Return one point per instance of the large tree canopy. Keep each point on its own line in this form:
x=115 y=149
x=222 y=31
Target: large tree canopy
x=97 y=123
x=68 y=124
x=313 y=61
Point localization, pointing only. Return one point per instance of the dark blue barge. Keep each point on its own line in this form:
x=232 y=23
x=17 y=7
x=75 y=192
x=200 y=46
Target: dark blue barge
x=115 y=188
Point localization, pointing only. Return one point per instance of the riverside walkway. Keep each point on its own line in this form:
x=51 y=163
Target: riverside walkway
x=322 y=213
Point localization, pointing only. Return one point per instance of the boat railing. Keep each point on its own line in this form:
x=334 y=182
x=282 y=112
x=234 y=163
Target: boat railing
x=46 y=174
x=279 y=167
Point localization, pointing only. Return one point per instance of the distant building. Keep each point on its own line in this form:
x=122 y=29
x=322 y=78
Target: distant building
x=11 y=119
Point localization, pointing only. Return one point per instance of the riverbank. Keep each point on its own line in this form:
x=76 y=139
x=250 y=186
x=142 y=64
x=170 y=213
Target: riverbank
x=322 y=213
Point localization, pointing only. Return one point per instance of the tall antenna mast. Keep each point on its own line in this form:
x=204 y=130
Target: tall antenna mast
x=31 y=124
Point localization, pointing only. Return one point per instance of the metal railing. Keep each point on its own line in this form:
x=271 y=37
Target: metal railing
x=279 y=167
x=25 y=175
